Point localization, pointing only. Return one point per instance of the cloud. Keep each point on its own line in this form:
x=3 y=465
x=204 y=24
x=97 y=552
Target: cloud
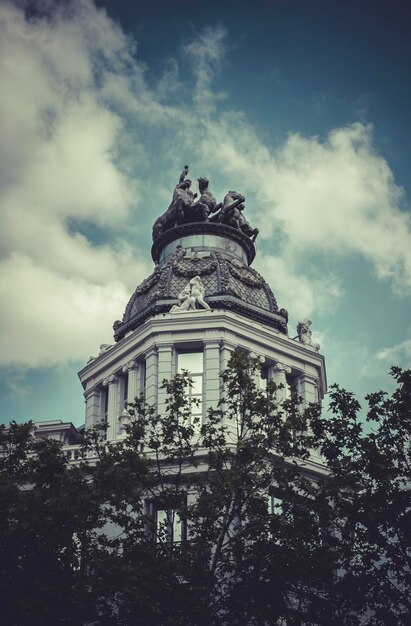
x=51 y=314
x=335 y=196
x=207 y=54
x=85 y=139
x=61 y=165
x=303 y=293
x=399 y=354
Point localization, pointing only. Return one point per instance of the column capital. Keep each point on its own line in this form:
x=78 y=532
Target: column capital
x=211 y=343
x=151 y=350
x=110 y=380
x=259 y=357
x=310 y=378
x=227 y=345
x=131 y=365
x=164 y=347
x=281 y=367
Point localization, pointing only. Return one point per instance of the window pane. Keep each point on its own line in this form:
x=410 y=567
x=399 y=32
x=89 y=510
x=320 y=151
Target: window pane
x=125 y=390
x=162 y=526
x=177 y=528
x=275 y=505
x=197 y=388
x=191 y=361
x=197 y=408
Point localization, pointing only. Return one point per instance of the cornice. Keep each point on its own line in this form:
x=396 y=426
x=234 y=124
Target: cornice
x=191 y=326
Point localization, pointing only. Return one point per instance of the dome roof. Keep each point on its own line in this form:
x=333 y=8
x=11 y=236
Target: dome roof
x=220 y=255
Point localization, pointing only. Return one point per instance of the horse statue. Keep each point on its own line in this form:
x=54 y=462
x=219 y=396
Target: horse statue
x=200 y=210
x=232 y=214
x=181 y=202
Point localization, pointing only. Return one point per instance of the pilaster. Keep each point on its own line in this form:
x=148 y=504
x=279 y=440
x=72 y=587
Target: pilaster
x=134 y=371
x=164 y=360
x=279 y=373
x=308 y=389
x=93 y=407
x=151 y=376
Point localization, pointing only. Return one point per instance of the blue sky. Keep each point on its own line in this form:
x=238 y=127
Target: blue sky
x=303 y=106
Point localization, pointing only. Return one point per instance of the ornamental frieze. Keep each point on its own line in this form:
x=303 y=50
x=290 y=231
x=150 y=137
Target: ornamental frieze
x=194 y=267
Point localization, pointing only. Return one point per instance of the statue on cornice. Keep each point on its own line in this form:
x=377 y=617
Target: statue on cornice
x=305 y=335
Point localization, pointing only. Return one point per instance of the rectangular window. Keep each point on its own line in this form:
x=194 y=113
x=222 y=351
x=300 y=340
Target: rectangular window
x=193 y=362
x=275 y=504
x=168 y=528
x=104 y=405
x=124 y=391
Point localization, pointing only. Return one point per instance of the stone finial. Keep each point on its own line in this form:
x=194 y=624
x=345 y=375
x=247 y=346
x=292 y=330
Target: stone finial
x=191 y=296
x=305 y=335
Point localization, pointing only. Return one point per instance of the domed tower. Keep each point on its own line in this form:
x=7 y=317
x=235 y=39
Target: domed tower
x=202 y=301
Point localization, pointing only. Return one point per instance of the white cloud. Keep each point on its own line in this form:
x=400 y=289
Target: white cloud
x=60 y=165
x=336 y=196
x=45 y=315
x=207 y=53
x=399 y=354
x=87 y=140
x=300 y=292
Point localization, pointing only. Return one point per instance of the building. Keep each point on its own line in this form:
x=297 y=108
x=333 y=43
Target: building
x=202 y=300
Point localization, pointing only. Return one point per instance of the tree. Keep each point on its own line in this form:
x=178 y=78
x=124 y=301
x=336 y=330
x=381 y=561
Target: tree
x=370 y=487
x=220 y=523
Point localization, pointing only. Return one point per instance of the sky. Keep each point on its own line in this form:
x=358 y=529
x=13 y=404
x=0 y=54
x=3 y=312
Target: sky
x=300 y=105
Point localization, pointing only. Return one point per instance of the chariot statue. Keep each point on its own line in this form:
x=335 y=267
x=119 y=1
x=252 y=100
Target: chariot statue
x=185 y=208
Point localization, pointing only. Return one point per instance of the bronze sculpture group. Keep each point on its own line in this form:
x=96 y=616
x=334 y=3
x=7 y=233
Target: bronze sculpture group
x=186 y=208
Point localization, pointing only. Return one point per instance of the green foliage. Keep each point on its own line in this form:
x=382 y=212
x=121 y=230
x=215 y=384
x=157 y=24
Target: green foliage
x=81 y=543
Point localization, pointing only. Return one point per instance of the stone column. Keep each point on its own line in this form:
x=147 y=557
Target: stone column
x=165 y=358
x=260 y=362
x=212 y=381
x=93 y=406
x=151 y=376
x=226 y=350
x=279 y=374
x=134 y=369
x=113 y=408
